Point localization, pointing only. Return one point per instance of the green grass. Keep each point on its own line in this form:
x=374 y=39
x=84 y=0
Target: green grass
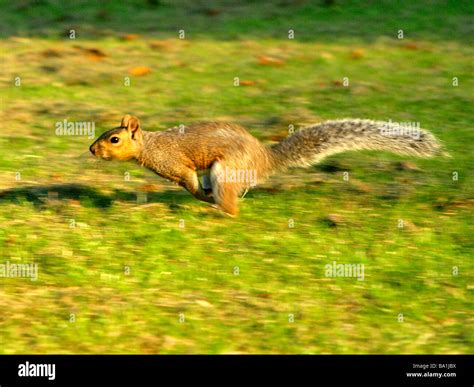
x=189 y=271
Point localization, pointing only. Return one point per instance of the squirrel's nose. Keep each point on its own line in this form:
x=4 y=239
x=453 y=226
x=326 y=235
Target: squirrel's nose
x=91 y=148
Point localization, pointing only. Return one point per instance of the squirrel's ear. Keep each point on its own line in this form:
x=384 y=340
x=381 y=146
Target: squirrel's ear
x=131 y=123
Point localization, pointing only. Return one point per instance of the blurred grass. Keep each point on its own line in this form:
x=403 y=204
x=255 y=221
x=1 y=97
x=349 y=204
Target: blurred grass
x=190 y=269
x=231 y=20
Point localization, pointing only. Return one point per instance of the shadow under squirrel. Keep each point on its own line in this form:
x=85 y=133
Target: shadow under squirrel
x=232 y=160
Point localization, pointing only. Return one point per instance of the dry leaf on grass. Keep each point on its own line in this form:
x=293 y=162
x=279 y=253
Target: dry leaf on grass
x=412 y=46
x=357 y=53
x=270 y=61
x=51 y=52
x=129 y=37
x=161 y=45
x=150 y=187
x=139 y=71
x=92 y=53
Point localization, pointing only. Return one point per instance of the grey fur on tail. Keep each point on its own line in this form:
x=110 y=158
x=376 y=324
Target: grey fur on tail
x=310 y=145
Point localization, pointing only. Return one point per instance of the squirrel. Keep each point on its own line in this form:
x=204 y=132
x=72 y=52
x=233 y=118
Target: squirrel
x=231 y=160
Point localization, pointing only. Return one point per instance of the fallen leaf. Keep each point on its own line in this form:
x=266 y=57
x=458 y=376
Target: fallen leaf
x=161 y=45
x=139 y=71
x=270 y=61
x=412 y=46
x=357 y=53
x=213 y=11
x=92 y=53
x=360 y=186
x=150 y=188
x=130 y=37
x=464 y=203
x=51 y=52
x=247 y=83
x=95 y=57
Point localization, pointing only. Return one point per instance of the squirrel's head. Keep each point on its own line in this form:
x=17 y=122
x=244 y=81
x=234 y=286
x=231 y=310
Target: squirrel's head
x=122 y=143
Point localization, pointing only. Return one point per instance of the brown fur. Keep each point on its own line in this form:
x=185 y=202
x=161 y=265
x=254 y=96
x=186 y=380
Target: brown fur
x=235 y=160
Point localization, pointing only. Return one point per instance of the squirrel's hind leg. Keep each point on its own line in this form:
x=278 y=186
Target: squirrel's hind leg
x=190 y=181
x=225 y=193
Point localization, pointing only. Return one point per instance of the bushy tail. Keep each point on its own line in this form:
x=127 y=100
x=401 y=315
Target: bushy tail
x=310 y=145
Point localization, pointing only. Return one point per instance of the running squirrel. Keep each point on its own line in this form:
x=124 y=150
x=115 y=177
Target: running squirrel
x=231 y=160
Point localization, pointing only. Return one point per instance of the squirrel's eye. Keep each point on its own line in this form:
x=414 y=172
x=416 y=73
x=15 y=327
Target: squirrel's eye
x=114 y=140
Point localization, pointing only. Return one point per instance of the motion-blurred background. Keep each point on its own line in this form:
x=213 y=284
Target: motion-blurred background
x=129 y=263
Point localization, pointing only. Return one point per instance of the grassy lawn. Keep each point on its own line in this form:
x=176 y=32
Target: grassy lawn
x=130 y=263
